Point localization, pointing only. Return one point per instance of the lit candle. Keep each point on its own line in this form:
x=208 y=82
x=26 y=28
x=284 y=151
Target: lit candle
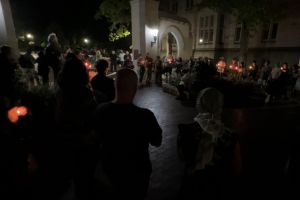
x=16 y=112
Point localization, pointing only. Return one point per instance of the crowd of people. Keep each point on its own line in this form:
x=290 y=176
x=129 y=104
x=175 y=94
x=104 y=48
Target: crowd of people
x=276 y=81
x=57 y=138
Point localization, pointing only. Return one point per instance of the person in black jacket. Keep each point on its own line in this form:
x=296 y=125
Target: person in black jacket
x=102 y=85
x=125 y=154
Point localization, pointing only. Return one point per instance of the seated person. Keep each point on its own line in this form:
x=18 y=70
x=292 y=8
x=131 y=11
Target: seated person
x=210 y=151
x=103 y=86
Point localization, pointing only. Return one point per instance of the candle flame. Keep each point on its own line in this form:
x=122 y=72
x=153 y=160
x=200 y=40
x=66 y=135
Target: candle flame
x=16 y=112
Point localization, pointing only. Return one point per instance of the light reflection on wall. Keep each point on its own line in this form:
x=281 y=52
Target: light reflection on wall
x=3 y=33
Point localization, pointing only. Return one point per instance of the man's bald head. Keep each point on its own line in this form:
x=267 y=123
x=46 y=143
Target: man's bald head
x=126 y=85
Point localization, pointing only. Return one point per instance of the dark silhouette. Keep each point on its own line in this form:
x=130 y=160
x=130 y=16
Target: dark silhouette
x=125 y=132
x=53 y=54
x=158 y=70
x=8 y=65
x=27 y=60
x=141 y=64
x=43 y=68
x=210 y=151
x=76 y=102
x=103 y=86
x=149 y=67
x=113 y=61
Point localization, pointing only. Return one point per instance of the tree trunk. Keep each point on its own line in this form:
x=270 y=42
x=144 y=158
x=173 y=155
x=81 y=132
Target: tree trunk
x=244 y=43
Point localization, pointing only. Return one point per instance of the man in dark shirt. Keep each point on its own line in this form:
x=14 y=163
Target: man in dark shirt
x=103 y=86
x=125 y=132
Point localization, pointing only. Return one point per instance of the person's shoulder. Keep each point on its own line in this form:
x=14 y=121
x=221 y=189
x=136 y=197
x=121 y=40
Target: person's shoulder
x=94 y=78
x=140 y=109
x=104 y=107
x=109 y=79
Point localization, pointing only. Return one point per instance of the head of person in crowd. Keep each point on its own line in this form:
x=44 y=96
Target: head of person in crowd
x=102 y=66
x=52 y=39
x=73 y=75
x=209 y=104
x=126 y=86
x=266 y=63
x=295 y=69
x=29 y=50
x=71 y=56
x=8 y=54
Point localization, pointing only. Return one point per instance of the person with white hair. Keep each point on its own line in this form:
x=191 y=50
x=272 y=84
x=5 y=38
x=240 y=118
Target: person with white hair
x=211 y=151
x=53 y=54
x=125 y=132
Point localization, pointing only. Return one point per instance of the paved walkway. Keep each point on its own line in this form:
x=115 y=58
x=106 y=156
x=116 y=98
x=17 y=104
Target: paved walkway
x=167 y=169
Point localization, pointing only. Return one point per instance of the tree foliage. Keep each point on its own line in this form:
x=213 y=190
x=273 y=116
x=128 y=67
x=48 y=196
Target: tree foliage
x=118 y=12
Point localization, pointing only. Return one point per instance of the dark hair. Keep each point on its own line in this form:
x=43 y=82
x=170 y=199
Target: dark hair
x=73 y=75
x=101 y=66
x=6 y=49
x=71 y=56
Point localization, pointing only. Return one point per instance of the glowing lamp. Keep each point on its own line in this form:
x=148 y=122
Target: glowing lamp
x=86 y=40
x=29 y=36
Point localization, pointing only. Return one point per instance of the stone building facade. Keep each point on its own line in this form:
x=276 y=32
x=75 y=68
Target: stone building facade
x=205 y=33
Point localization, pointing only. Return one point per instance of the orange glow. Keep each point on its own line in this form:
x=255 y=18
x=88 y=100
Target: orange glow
x=92 y=74
x=221 y=66
x=88 y=65
x=16 y=112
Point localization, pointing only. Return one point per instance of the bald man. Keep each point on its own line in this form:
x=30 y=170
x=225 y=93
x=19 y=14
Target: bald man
x=125 y=132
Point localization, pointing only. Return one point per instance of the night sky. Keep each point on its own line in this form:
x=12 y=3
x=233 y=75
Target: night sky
x=71 y=19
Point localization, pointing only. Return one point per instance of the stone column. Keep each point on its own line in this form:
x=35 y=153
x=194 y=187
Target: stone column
x=7 y=29
x=144 y=18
